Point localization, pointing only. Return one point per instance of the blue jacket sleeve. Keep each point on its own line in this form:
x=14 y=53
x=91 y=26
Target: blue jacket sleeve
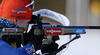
x=6 y=49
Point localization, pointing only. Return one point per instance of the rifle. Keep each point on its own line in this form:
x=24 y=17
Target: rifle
x=13 y=36
x=40 y=30
x=46 y=29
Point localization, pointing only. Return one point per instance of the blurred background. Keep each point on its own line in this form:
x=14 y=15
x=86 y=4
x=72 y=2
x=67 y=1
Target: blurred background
x=80 y=13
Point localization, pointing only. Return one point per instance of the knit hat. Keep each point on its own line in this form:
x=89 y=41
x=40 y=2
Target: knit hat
x=9 y=7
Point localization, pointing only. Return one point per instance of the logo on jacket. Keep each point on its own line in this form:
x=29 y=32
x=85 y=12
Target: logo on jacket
x=30 y=50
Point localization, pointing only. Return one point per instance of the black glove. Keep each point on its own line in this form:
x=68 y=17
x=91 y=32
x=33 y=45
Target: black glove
x=36 y=41
x=33 y=39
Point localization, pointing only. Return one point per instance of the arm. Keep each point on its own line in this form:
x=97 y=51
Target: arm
x=6 y=49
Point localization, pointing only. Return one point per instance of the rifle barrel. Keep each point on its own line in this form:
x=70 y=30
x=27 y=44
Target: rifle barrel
x=84 y=27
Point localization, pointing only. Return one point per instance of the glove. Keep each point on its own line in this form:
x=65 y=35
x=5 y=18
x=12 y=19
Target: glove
x=33 y=39
x=6 y=49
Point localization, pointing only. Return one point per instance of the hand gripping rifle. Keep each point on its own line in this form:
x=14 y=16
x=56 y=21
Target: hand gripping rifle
x=41 y=30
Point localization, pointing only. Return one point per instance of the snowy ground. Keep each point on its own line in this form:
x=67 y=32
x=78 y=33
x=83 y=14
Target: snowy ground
x=88 y=44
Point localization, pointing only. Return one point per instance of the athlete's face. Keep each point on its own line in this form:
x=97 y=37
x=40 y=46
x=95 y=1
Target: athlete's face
x=22 y=23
